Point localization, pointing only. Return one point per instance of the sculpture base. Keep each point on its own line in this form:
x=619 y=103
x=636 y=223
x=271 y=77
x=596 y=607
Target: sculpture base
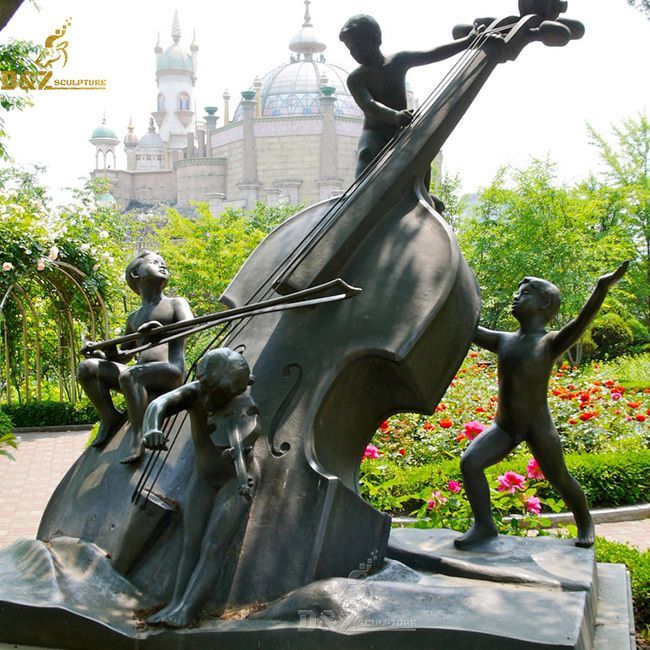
x=511 y=594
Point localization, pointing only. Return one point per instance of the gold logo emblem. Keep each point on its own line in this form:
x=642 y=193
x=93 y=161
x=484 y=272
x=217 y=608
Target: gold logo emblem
x=53 y=55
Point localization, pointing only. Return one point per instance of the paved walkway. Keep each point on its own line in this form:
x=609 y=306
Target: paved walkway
x=42 y=459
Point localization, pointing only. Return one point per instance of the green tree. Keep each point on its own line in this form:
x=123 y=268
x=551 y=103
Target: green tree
x=527 y=224
x=641 y=5
x=16 y=58
x=205 y=253
x=625 y=182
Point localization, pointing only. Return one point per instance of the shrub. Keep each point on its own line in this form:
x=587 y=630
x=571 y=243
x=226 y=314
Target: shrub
x=50 y=413
x=611 y=334
x=638 y=564
x=608 y=479
x=7 y=438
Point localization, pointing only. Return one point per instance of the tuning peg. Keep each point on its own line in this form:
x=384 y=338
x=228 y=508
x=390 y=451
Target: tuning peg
x=549 y=9
x=460 y=31
x=553 y=34
x=576 y=28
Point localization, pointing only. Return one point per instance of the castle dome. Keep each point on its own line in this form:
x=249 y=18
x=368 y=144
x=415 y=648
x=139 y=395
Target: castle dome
x=294 y=88
x=175 y=58
x=151 y=139
x=103 y=132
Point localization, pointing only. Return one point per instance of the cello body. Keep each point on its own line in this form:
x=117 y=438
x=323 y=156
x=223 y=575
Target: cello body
x=325 y=376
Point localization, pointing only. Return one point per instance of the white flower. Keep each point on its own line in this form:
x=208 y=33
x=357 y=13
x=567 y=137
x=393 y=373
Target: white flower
x=106 y=255
x=95 y=267
x=84 y=247
x=7 y=266
x=54 y=253
x=103 y=234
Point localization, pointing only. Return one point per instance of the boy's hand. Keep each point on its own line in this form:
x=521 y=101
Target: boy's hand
x=403 y=118
x=152 y=324
x=246 y=490
x=607 y=280
x=154 y=439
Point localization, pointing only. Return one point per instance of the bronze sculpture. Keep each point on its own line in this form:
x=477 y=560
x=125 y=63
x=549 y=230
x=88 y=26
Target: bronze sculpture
x=158 y=370
x=224 y=426
x=526 y=359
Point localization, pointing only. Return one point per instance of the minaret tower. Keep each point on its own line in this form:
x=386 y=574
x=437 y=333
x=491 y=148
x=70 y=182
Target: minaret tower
x=105 y=141
x=130 y=144
x=176 y=76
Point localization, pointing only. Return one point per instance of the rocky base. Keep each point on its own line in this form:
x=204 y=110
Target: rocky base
x=510 y=594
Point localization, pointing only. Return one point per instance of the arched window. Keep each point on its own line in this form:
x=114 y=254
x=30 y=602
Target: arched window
x=183 y=102
x=161 y=102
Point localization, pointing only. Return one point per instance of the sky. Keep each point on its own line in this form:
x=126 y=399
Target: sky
x=535 y=107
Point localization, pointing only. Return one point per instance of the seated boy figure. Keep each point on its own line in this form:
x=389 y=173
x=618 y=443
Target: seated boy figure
x=224 y=421
x=378 y=85
x=158 y=369
x=526 y=359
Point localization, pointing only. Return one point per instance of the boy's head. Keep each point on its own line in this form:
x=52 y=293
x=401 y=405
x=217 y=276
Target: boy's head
x=536 y=296
x=362 y=36
x=223 y=371
x=145 y=266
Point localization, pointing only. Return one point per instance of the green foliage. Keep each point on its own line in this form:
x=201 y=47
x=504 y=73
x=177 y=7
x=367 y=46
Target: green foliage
x=48 y=413
x=611 y=335
x=627 y=181
x=633 y=372
x=16 y=57
x=608 y=480
x=641 y=5
x=7 y=438
x=205 y=253
x=524 y=207
x=638 y=564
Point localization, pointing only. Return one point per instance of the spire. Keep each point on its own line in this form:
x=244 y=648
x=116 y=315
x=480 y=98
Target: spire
x=152 y=128
x=194 y=47
x=176 y=28
x=305 y=42
x=158 y=49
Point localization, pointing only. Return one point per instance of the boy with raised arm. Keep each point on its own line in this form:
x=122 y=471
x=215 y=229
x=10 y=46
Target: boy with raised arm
x=225 y=423
x=526 y=358
x=158 y=369
x=378 y=85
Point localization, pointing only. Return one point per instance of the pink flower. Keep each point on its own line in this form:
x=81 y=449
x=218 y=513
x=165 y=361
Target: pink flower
x=371 y=452
x=616 y=395
x=437 y=499
x=511 y=481
x=533 y=504
x=7 y=266
x=454 y=487
x=54 y=253
x=533 y=470
x=40 y=265
x=473 y=428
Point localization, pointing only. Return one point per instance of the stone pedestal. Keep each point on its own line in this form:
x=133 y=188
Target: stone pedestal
x=510 y=594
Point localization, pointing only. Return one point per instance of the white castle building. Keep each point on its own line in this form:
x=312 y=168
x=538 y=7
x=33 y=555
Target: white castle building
x=292 y=137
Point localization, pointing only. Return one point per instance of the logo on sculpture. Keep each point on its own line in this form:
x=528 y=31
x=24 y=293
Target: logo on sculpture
x=53 y=55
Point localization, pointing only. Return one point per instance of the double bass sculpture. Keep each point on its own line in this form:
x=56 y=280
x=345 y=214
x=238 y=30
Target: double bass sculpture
x=325 y=375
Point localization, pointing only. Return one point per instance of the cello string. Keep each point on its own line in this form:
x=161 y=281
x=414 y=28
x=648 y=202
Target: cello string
x=311 y=238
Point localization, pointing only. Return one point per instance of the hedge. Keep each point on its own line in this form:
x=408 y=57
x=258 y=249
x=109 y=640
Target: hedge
x=638 y=564
x=612 y=479
x=49 y=413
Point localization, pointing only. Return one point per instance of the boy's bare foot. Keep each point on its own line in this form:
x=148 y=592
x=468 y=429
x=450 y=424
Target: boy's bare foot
x=108 y=428
x=135 y=455
x=586 y=535
x=475 y=535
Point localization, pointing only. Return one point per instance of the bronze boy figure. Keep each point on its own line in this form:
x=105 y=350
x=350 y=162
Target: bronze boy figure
x=378 y=85
x=224 y=425
x=158 y=369
x=526 y=359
